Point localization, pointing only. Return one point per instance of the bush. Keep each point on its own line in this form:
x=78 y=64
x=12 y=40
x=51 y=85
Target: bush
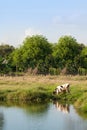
x=82 y=71
x=54 y=71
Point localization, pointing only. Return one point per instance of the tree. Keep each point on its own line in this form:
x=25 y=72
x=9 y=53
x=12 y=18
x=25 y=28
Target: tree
x=15 y=60
x=34 y=52
x=83 y=58
x=65 y=53
x=5 y=51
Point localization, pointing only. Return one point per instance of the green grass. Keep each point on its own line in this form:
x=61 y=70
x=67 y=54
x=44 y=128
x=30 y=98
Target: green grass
x=40 y=88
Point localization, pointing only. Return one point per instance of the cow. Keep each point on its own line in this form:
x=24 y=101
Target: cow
x=62 y=88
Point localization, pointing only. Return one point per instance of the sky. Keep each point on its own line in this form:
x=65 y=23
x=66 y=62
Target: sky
x=50 y=18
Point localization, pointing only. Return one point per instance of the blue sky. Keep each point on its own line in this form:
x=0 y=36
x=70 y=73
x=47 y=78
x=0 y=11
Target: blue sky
x=50 y=18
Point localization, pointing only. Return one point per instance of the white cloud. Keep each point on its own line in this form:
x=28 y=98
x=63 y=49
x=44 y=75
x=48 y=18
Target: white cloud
x=31 y=31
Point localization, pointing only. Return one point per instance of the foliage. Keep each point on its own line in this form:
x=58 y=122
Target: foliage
x=37 y=54
x=67 y=53
x=83 y=58
x=5 y=51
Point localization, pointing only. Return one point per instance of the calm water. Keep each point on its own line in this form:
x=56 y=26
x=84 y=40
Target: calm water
x=53 y=116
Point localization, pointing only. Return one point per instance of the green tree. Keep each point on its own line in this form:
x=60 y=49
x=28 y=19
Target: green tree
x=15 y=60
x=83 y=58
x=5 y=51
x=66 y=52
x=34 y=52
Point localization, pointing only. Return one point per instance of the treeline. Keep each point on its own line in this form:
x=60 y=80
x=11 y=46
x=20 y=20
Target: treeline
x=37 y=56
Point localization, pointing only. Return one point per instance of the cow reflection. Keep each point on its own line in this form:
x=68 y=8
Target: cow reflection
x=62 y=107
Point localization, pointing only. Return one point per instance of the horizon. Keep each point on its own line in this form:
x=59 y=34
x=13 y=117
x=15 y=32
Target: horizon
x=50 y=18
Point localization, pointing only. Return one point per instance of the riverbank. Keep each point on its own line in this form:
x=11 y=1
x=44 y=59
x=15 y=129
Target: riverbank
x=40 y=88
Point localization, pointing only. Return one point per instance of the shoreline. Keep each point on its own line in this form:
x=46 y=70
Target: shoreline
x=39 y=88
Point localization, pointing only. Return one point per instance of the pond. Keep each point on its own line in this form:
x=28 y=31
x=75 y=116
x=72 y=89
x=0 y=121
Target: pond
x=48 y=116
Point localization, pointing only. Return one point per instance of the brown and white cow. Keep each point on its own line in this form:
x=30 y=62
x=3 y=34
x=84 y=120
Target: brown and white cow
x=62 y=88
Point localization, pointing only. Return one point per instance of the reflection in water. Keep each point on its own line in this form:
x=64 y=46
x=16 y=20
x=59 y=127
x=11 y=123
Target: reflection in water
x=31 y=108
x=35 y=109
x=62 y=107
x=24 y=117
x=41 y=117
x=1 y=120
x=82 y=114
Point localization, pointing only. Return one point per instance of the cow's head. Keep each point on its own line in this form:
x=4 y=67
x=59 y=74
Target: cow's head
x=55 y=91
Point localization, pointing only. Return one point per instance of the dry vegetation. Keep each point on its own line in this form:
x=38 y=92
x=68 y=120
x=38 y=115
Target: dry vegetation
x=43 y=79
x=38 y=88
x=26 y=82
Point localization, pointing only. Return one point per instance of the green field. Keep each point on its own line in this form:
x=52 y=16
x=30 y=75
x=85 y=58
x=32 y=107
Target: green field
x=40 y=88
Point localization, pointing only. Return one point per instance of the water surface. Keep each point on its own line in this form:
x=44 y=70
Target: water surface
x=52 y=116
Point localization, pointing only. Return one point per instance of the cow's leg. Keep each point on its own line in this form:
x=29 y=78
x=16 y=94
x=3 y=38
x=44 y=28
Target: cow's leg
x=57 y=92
x=68 y=90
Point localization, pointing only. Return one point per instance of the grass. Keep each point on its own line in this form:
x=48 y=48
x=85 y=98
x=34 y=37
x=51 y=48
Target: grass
x=40 y=88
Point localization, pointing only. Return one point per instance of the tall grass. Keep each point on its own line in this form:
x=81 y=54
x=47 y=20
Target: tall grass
x=40 y=88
